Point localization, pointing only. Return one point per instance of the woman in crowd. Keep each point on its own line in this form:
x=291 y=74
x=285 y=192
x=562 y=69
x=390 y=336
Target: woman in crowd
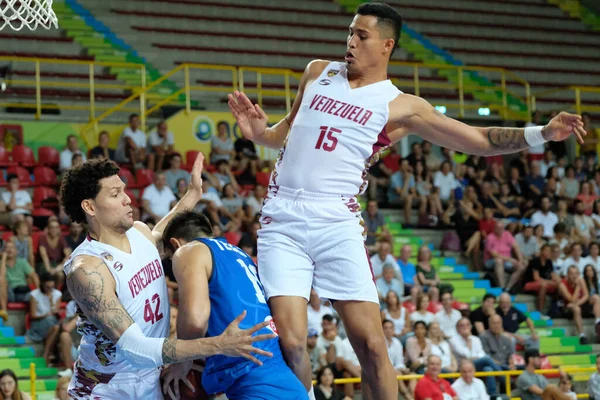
x=441 y=348
x=421 y=313
x=9 y=387
x=591 y=279
x=53 y=251
x=587 y=197
x=395 y=312
x=23 y=241
x=565 y=217
x=418 y=348
x=232 y=203
x=428 y=277
x=569 y=184
x=538 y=234
x=324 y=389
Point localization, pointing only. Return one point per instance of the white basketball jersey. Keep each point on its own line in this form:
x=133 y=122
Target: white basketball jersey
x=336 y=136
x=141 y=288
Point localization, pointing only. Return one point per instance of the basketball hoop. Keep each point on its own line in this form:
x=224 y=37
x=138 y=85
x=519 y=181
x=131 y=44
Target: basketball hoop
x=32 y=14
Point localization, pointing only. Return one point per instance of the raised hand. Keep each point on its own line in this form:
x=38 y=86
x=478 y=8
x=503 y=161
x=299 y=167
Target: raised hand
x=251 y=119
x=563 y=126
x=196 y=179
x=235 y=342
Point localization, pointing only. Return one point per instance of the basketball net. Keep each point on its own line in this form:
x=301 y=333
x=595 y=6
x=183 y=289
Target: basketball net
x=16 y=14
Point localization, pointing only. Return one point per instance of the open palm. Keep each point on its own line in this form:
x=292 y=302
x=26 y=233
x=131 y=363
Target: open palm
x=563 y=126
x=251 y=119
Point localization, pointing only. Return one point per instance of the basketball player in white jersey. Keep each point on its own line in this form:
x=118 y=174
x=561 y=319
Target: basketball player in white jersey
x=117 y=280
x=344 y=115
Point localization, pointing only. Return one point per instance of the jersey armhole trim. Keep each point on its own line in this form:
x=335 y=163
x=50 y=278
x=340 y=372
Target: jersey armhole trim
x=212 y=256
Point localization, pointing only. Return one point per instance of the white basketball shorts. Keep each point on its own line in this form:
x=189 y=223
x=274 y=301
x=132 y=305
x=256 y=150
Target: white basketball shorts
x=313 y=239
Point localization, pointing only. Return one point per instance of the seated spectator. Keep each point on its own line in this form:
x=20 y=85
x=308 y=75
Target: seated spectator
x=232 y=202
x=466 y=346
x=175 y=172
x=569 y=184
x=421 y=313
x=535 y=180
x=132 y=146
x=44 y=305
x=566 y=218
x=427 y=276
x=584 y=228
x=18 y=201
x=545 y=217
x=428 y=196
x=540 y=277
x=518 y=188
x=388 y=282
x=576 y=258
x=396 y=354
x=560 y=237
x=221 y=145
x=161 y=143
x=249 y=240
x=77 y=160
x=378 y=178
x=53 y=251
x=347 y=362
x=590 y=277
x=480 y=317
x=498 y=346
x=245 y=148
x=316 y=311
x=157 y=199
x=103 y=151
x=574 y=302
x=324 y=389
x=375 y=225
x=19 y=275
x=224 y=175
x=432 y=160
x=182 y=187
x=315 y=354
x=594 y=255
x=512 y=319
x=382 y=257
x=534 y=386
x=253 y=203
x=558 y=263
x=448 y=317
x=66 y=156
x=402 y=190
x=407 y=269
x=9 y=386
x=431 y=386
x=23 y=241
x=596 y=215
x=445 y=182
x=67 y=348
x=527 y=243
x=594 y=382
x=469 y=387
x=498 y=252
x=398 y=315
x=565 y=385
x=441 y=348
x=418 y=348
x=547 y=162
x=76 y=235
x=505 y=203
x=587 y=198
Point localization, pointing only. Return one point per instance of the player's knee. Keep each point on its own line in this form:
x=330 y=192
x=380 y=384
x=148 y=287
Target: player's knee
x=372 y=349
x=293 y=347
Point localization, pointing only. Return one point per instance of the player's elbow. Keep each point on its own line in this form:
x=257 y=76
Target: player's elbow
x=192 y=326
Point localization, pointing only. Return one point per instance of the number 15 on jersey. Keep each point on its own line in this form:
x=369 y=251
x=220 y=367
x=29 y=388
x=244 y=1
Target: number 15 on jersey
x=327 y=139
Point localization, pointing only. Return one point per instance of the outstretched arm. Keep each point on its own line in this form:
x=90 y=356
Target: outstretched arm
x=411 y=114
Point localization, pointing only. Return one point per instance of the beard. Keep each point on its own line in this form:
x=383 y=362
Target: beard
x=123 y=226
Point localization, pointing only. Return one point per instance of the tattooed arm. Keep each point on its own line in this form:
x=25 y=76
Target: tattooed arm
x=413 y=115
x=93 y=288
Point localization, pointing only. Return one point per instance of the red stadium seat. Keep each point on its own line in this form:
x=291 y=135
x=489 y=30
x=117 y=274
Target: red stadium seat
x=42 y=193
x=44 y=176
x=134 y=200
x=42 y=212
x=233 y=237
x=263 y=178
x=23 y=155
x=22 y=174
x=128 y=178
x=48 y=156
x=35 y=239
x=144 y=177
x=6 y=236
x=5 y=160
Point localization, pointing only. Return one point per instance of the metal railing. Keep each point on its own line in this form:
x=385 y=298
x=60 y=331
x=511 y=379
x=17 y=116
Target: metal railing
x=577 y=91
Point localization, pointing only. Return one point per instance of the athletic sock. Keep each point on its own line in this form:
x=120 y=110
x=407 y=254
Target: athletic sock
x=311 y=393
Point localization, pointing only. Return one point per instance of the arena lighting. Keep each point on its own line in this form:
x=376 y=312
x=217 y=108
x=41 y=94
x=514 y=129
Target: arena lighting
x=484 y=111
x=441 y=109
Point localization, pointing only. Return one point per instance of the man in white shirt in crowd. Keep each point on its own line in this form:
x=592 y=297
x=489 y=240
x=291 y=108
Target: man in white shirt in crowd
x=467 y=386
x=396 y=353
x=66 y=156
x=315 y=353
x=545 y=217
x=594 y=382
x=316 y=311
x=558 y=263
x=584 y=229
x=576 y=258
x=388 y=283
x=466 y=346
x=445 y=182
x=132 y=145
x=18 y=202
x=161 y=143
x=527 y=243
x=448 y=317
x=158 y=198
x=384 y=256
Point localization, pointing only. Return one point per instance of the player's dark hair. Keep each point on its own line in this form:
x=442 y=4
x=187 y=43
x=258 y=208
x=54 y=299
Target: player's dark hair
x=82 y=183
x=387 y=17
x=187 y=225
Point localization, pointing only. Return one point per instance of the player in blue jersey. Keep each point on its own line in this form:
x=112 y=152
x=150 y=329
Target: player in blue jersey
x=218 y=281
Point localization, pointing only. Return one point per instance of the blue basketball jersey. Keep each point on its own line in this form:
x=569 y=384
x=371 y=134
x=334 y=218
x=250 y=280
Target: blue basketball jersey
x=233 y=288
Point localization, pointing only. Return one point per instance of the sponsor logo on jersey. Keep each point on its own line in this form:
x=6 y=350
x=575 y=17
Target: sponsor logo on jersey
x=325 y=82
x=118 y=266
x=333 y=72
x=271 y=325
x=107 y=256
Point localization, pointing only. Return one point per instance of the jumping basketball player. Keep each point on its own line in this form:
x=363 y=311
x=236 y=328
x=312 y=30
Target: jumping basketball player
x=343 y=116
x=117 y=280
x=216 y=282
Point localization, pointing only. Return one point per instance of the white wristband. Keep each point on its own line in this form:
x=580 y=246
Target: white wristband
x=533 y=136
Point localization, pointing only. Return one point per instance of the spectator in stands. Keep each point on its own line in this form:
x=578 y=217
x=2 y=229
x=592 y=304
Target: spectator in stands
x=421 y=313
x=158 y=199
x=466 y=346
x=246 y=171
x=315 y=354
x=161 y=143
x=224 y=174
x=77 y=160
x=382 y=257
x=569 y=184
x=324 y=389
x=480 y=317
x=545 y=217
x=558 y=263
x=441 y=348
x=22 y=239
x=418 y=348
x=574 y=301
x=560 y=237
x=565 y=218
x=76 y=235
x=396 y=354
x=17 y=200
x=428 y=197
x=547 y=162
x=576 y=258
x=375 y=225
x=388 y=282
x=594 y=382
x=132 y=146
x=103 y=151
x=379 y=179
x=594 y=255
x=432 y=160
x=565 y=385
x=431 y=386
x=19 y=274
x=249 y=240
x=402 y=190
x=181 y=190
x=407 y=268
x=512 y=319
x=9 y=386
x=427 y=276
x=527 y=243
x=253 y=203
x=66 y=156
x=44 y=305
x=62 y=387
x=540 y=276
x=596 y=216
x=232 y=202
x=221 y=145
x=584 y=227
x=498 y=346
x=469 y=387
x=68 y=350
x=394 y=311
x=245 y=148
x=175 y=172
x=54 y=251
x=316 y=311
x=518 y=187
x=505 y=203
x=448 y=317
x=587 y=197
x=534 y=386
x=329 y=339
x=498 y=249
x=535 y=180
x=445 y=182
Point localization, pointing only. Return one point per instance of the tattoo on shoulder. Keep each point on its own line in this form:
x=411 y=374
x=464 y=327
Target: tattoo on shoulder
x=507 y=138
x=169 y=351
